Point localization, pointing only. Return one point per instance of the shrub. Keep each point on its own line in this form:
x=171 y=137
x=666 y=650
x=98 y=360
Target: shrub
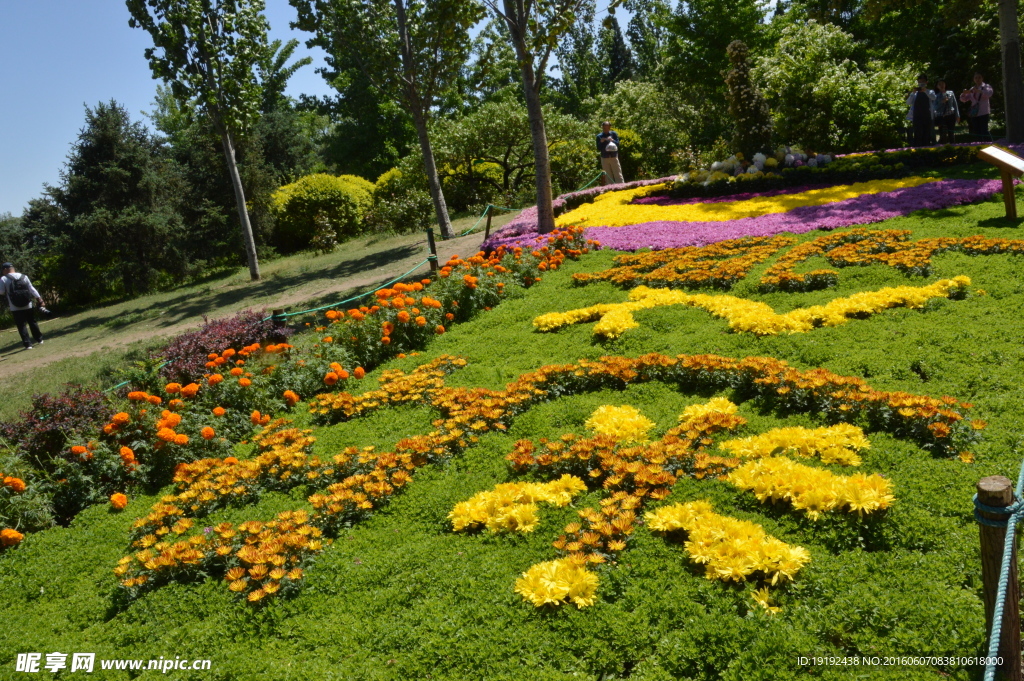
x=187 y=353
x=26 y=510
x=399 y=204
x=42 y=432
x=344 y=200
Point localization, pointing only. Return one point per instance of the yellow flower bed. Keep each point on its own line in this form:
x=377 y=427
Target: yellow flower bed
x=511 y=507
x=812 y=490
x=729 y=549
x=615 y=209
x=836 y=444
x=622 y=424
x=751 y=316
x=556 y=581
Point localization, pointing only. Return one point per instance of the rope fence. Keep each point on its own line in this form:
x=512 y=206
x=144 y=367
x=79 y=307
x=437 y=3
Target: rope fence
x=1015 y=511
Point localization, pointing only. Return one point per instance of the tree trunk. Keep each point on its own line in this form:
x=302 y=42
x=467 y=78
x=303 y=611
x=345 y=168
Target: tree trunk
x=243 y=212
x=1009 y=39
x=440 y=207
x=531 y=90
x=420 y=111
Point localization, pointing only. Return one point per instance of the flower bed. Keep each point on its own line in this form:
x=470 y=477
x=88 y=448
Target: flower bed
x=865 y=209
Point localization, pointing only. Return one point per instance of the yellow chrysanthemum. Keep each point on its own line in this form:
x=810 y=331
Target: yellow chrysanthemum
x=558 y=581
x=624 y=424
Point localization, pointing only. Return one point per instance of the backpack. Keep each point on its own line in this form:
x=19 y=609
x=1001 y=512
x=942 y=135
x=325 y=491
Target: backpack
x=17 y=291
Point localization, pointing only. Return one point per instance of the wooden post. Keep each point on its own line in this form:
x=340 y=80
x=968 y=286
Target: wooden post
x=487 y=229
x=277 y=318
x=1009 y=199
x=997 y=490
x=433 y=250
x=1010 y=166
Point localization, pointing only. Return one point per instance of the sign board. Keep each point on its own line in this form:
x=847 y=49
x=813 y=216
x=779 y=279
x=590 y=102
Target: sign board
x=1004 y=160
x=1010 y=166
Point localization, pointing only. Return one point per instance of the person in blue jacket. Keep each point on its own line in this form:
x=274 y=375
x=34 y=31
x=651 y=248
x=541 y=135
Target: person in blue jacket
x=609 y=156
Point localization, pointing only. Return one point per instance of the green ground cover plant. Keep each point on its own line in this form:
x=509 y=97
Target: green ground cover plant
x=401 y=596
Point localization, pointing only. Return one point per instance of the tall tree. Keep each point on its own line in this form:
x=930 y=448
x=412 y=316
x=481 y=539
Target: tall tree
x=1009 y=40
x=578 y=63
x=208 y=50
x=411 y=51
x=275 y=72
x=535 y=27
x=614 y=54
x=648 y=35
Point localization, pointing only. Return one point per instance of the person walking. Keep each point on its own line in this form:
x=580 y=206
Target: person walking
x=947 y=113
x=20 y=294
x=608 y=145
x=978 y=98
x=920 y=100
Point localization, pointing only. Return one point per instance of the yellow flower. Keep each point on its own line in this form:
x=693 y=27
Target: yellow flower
x=624 y=424
x=557 y=581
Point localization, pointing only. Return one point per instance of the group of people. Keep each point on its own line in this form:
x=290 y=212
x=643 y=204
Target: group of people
x=939 y=107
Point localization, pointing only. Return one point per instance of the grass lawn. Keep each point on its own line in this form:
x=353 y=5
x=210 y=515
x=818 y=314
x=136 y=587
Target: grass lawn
x=401 y=596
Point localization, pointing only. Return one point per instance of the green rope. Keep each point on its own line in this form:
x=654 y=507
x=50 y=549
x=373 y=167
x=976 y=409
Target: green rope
x=124 y=383
x=484 y=214
x=349 y=300
x=1016 y=511
x=596 y=178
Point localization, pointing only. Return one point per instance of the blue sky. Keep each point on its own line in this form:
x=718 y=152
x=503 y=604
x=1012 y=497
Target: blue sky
x=60 y=55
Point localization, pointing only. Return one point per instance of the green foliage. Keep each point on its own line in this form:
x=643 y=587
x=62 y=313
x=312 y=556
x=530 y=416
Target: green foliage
x=111 y=227
x=749 y=111
x=399 y=205
x=487 y=155
x=643 y=108
x=28 y=510
x=822 y=99
x=342 y=200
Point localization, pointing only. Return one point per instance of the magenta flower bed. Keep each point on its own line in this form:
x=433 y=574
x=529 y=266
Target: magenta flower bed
x=860 y=210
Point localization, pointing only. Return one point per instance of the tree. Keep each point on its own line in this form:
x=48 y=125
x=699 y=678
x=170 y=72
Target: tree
x=535 y=27
x=615 y=56
x=208 y=50
x=578 y=63
x=275 y=72
x=1009 y=40
x=648 y=35
x=750 y=115
x=413 y=52
x=111 y=227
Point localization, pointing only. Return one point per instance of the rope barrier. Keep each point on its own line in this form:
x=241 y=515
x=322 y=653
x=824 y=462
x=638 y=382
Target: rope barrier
x=349 y=300
x=589 y=184
x=1016 y=512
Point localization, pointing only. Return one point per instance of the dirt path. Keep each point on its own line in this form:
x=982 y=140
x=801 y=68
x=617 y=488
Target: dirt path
x=290 y=283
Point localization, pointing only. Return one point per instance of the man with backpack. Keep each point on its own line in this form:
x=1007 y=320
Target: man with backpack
x=20 y=293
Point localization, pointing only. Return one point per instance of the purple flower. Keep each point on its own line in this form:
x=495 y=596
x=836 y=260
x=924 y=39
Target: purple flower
x=860 y=210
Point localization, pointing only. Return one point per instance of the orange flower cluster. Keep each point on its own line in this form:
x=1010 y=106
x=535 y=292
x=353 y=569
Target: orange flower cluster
x=9 y=537
x=216 y=359
x=633 y=475
x=259 y=560
x=890 y=247
x=16 y=485
x=118 y=501
x=719 y=265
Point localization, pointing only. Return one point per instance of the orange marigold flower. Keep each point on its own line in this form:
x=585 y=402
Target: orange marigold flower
x=291 y=397
x=207 y=433
x=403 y=316
x=359 y=372
x=214 y=379
x=172 y=388
x=219 y=411
x=401 y=355
x=331 y=378
x=255 y=417
x=154 y=400
x=236 y=371
x=385 y=340
x=212 y=356
x=137 y=395
x=190 y=390
x=181 y=439
x=118 y=501
x=79 y=450
x=244 y=382
x=439 y=330
x=229 y=353
x=10 y=537
x=421 y=321
x=166 y=434
x=449 y=316
x=230 y=459
x=121 y=418
x=175 y=404
x=16 y=484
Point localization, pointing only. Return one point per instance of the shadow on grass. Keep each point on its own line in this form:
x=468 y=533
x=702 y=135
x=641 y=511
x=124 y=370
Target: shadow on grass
x=1002 y=222
x=190 y=304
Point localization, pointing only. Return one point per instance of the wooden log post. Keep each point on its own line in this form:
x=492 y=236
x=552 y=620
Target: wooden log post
x=1010 y=166
x=432 y=257
x=487 y=229
x=997 y=490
